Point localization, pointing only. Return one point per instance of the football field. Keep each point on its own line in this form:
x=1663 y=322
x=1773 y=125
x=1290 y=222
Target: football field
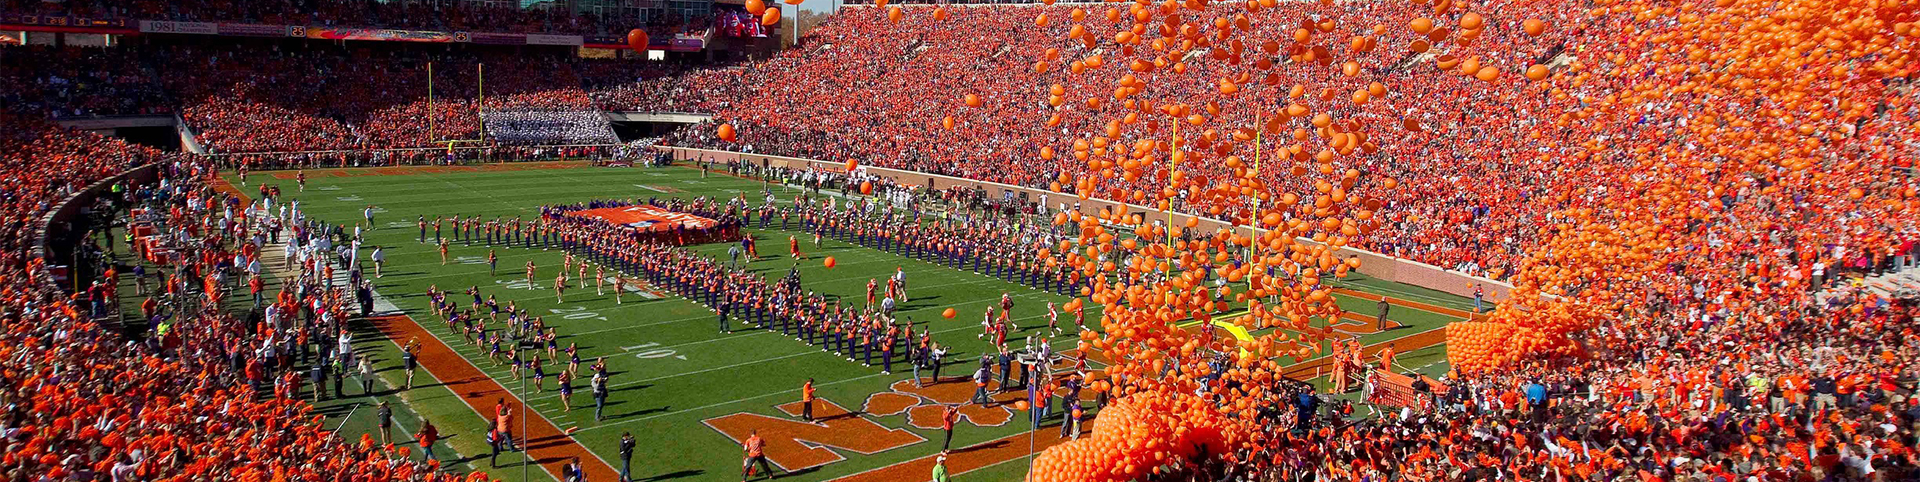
x=686 y=391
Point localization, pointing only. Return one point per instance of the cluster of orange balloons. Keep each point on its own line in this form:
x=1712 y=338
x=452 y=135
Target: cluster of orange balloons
x=1137 y=436
x=1597 y=253
x=768 y=16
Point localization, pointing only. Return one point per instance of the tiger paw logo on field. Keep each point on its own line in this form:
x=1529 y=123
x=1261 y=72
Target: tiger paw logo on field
x=924 y=405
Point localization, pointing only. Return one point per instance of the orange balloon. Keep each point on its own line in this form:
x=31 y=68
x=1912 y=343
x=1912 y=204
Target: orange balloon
x=973 y=100
x=1422 y=25
x=756 y=7
x=852 y=164
x=1534 y=27
x=830 y=262
x=1537 y=72
x=770 y=17
x=866 y=187
x=1488 y=73
x=1471 y=21
x=949 y=313
x=726 y=132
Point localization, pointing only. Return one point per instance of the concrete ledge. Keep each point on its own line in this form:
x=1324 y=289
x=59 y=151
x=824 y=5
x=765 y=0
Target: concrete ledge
x=675 y=117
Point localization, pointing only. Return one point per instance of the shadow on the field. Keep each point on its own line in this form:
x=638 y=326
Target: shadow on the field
x=643 y=412
x=840 y=416
x=984 y=446
x=672 y=475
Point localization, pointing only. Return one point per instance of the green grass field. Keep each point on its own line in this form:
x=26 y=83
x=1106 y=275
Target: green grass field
x=671 y=367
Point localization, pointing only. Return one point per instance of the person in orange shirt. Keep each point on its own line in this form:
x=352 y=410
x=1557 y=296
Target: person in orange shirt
x=755 y=447
x=1386 y=358
x=947 y=418
x=806 y=401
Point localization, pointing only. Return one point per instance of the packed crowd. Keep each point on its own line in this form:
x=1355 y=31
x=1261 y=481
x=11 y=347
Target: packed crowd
x=1676 y=316
x=439 y=16
x=202 y=393
x=80 y=82
x=324 y=97
x=547 y=127
x=1473 y=175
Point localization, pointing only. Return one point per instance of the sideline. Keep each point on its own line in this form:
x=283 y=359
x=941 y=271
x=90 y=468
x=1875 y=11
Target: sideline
x=542 y=442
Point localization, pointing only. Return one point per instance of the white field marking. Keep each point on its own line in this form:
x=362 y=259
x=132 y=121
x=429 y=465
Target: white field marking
x=650 y=188
x=697 y=372
x=710 y=317
x=739 y=400
x=657 y=351
x=327 y=188
x=382 y=306
x=576 y=312
x=729 y=402
x=663 y=377
x=352 y=198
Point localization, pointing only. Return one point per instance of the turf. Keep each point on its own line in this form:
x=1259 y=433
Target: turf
x=671 y=366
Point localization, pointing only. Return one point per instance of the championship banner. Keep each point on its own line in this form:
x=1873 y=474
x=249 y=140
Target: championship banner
x=253 y=30
x=189 y=28
x=567 y=40
x=379 y=35
x=646 y=218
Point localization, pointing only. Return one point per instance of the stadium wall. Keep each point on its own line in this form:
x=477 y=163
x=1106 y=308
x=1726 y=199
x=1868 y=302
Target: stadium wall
x=1371 y=264
x=60 y=230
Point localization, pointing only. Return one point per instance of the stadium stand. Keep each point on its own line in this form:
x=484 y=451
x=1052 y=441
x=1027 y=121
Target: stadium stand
x=1737 y=353
x=542 y=126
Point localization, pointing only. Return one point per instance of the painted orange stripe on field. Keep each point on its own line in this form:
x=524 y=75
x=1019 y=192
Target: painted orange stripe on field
x=547 y=444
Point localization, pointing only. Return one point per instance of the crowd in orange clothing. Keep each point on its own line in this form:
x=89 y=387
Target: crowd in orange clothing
x=1484 y=186
x=445 y=16
x=87 y=403
x=1711 y=338
x=1695 y=329
x=248 y=98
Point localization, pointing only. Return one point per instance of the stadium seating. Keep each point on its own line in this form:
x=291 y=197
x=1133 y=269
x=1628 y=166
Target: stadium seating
x=447 y=16
x=544 y=126
x=1735 y=353
x=138 y=411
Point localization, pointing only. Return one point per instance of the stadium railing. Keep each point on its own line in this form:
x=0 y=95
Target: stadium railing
x=59 y=232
